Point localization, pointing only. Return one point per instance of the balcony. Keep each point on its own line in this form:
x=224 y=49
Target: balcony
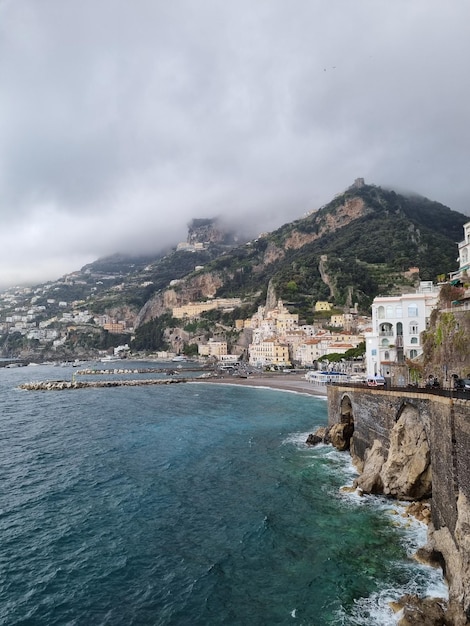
x=386 y=333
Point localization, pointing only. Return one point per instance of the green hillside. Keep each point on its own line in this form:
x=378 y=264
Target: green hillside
x=366 y=256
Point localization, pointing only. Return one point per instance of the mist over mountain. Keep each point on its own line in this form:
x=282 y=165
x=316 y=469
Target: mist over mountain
x=366 y=241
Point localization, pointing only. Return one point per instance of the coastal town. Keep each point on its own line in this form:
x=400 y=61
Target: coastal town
x=272 y=338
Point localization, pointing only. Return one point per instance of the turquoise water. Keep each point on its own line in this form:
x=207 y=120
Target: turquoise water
x=191 y=504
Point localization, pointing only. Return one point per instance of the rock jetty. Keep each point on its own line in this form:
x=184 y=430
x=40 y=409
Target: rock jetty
x=60 y=385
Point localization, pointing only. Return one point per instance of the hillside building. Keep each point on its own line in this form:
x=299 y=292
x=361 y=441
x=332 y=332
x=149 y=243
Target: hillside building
x=194 y=309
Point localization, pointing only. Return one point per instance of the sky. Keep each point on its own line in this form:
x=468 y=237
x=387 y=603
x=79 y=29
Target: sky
x=122 y=121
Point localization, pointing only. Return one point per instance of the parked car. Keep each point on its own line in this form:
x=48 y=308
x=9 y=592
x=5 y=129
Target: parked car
x=462 y=383
x=375 y=381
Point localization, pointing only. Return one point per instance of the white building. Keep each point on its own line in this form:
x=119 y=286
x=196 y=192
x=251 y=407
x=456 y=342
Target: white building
x=308 y=352
x=464 y=254
x=397 y=323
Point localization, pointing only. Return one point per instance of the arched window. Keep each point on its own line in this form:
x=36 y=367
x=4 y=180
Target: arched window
x=414 y=339
x=398 y=311
x=385 y=343
x=386 y=355
x=389 y=312
x=399 y=329
x=464 y=255
x=413 y=354
x=413 y=328
x=381 y=312
x=412 y=309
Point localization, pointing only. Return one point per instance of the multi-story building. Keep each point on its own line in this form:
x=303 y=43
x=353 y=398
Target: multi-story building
x=308 y=352
x=269 y=352
x=115 y=327
x=397 y=323
x=213 y=348
x=464 y=255
x=194 y=309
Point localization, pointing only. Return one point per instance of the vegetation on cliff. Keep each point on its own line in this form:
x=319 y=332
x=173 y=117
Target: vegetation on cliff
x=366 y=238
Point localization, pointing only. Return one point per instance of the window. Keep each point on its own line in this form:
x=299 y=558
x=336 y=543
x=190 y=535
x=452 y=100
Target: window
x=414 y=340
x=385 y=343
x=413 y=328
x=381 y=312
x=413 y=354
x=389 y=312
x=412 y=309
x=386 y=355
x=398 y=311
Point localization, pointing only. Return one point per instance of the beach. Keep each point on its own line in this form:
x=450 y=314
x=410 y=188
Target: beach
x=281 y=381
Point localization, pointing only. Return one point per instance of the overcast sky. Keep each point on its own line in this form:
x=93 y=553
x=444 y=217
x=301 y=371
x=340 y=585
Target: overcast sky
x=121 y=121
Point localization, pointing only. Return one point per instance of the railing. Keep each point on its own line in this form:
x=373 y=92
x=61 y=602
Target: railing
x=386 y=333
x=458 y=394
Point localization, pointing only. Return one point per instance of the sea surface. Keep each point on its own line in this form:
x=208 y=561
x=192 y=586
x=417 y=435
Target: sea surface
x=190 y=504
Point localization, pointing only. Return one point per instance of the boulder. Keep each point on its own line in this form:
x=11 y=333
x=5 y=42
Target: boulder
x=422 y=611
x=319 y=436
x=340 y=435
x=370 y=481
x=407 y=472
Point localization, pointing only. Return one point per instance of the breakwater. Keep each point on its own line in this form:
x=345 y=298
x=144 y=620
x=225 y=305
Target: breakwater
x=61 y=385
x=144 y=370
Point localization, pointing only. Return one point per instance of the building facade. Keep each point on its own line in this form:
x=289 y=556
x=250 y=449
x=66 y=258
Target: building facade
x=397 y=324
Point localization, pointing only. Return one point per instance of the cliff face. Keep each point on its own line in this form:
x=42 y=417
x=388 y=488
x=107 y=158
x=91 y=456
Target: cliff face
x=209 y=231
x=196 y=288
x=447 y=343
x=404 y=470
x=347 y=251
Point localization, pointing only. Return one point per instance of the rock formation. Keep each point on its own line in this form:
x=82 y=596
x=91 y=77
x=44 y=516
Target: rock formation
x=455 y=549
x=407 y=470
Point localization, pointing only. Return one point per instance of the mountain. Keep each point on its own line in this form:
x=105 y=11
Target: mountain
x=367 y=240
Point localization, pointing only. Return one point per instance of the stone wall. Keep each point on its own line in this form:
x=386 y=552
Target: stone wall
x=446 y=423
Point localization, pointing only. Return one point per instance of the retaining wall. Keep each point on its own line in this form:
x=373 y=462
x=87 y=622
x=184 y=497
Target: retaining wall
x=447 y=424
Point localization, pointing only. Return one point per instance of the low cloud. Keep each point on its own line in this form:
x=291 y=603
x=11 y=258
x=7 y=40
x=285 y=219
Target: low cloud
x=121 y=122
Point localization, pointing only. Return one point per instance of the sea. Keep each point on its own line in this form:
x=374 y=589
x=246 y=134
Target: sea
x=191 y=504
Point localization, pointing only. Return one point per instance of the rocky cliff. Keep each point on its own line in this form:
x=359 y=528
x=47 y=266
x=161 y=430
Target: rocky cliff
x=414 y=445
x=404 y=470
x=195 y=288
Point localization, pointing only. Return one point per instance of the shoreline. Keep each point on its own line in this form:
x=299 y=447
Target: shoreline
x=295 y=383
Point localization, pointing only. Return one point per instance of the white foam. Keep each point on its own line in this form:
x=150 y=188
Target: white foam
x=298 y=439
x=373 y=610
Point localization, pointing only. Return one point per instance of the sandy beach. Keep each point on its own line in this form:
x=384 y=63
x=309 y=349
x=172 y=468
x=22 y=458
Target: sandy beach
x=281 y=382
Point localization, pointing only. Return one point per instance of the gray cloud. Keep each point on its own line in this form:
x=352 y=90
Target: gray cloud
x=119 y=122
